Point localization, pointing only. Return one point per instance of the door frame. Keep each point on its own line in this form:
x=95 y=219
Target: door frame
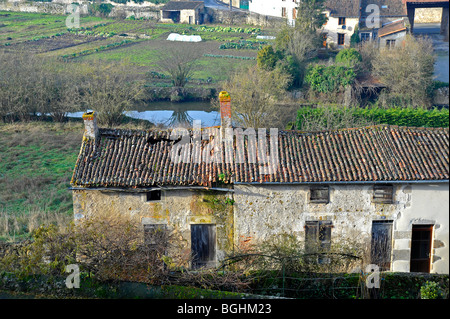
x=422 y=227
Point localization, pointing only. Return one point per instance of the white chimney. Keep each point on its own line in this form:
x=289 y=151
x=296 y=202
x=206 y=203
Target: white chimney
x=90 y=125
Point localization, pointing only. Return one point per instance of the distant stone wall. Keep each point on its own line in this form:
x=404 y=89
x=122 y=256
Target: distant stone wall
x=43 y=7
x=428 y=15
x=63 y=7
x=146 y=10
x=243 y=17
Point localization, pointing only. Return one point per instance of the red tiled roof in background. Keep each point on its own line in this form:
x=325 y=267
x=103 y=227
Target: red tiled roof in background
x=391 y=28
x=125 y=158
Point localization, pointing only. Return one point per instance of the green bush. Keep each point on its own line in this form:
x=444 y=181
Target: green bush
x=394 y=116
x=430 y=290
x=104 y=8
x=348 y=57
x=267 y=58
x=325 y=79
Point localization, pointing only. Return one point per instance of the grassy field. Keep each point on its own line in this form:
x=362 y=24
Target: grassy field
x=36 y=163
x=142 y=42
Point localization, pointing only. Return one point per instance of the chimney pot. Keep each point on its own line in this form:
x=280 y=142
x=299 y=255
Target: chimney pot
x=90 y=125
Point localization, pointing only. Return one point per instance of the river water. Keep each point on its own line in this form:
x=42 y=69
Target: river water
x=173 y=114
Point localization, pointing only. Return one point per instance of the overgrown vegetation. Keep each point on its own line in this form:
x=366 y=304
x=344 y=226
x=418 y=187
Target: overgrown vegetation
x=111 y=249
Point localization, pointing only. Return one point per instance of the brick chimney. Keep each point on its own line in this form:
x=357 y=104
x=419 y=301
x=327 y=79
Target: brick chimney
x=225 y=109
x=90 y=125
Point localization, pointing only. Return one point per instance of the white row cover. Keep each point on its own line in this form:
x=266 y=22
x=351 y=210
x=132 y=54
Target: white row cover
x=184 y=38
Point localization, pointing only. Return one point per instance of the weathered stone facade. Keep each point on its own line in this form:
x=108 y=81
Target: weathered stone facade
x=177 y=209
x=257 y=213
x=264 y=211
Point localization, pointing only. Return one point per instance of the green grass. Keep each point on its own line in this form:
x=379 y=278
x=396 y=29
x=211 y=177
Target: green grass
x=33 y=32
x=20 y=26
x=36 y=163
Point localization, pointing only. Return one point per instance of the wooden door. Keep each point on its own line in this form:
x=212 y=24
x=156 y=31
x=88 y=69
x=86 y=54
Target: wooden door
x=421 y=248
x=381 y=245
x=203 y=245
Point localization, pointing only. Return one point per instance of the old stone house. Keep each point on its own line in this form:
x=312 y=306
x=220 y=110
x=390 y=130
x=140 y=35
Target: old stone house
x=367 y=18
x=384 y=185
x=191 y=12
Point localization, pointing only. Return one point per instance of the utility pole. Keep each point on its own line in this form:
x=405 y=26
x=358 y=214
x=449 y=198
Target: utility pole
x=231 y=4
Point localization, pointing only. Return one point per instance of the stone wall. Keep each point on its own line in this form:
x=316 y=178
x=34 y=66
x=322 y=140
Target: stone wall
x=146 y=10
x=428 y=15
x=262 y=212
x=242 y=17
x=177 y=209
x=64 y=7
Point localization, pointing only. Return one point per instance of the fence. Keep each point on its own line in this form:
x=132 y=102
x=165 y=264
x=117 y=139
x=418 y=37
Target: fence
x=301 y=276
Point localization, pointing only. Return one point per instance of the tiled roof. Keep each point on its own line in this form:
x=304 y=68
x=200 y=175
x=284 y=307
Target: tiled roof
x=134 y=158
x=182 y=5
x=388 y=8
x=343 y=8
x=391 y=28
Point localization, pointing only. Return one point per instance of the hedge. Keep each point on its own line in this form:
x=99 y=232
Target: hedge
x=393 y=116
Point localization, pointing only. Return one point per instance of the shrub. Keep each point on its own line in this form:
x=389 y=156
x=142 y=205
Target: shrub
x=325 y=79
x=394 y=116
x=430 y=290
x=267 y=58
x=348 y=57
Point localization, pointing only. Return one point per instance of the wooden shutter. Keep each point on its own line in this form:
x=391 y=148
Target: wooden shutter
x=381 y=244
x=203 y=245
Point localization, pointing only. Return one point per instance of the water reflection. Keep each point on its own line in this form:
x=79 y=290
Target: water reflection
x=173 y=114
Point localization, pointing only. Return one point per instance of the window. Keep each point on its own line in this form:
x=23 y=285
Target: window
x=154 y=195
x=283 y=12
x=318 y=238
x=319 y=194
x=341 y=39
x=383 y=194
x=390 y=43
x=341 y=21
x=365 y=36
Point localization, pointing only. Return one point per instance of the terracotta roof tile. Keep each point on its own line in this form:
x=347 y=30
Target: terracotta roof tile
x=134 y=158
x=343 y=8
x=391 y=28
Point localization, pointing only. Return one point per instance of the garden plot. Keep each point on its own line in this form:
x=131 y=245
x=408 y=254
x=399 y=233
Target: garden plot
x=55 y=42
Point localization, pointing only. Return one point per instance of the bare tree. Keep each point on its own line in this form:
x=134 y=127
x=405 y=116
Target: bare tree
x=179 y=61
x=255 y=95
x=111 y=89
x=407 y=71
x=31 y=85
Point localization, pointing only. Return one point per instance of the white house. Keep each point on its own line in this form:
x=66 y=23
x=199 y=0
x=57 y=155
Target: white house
x=343 y=18
x=277 y=8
